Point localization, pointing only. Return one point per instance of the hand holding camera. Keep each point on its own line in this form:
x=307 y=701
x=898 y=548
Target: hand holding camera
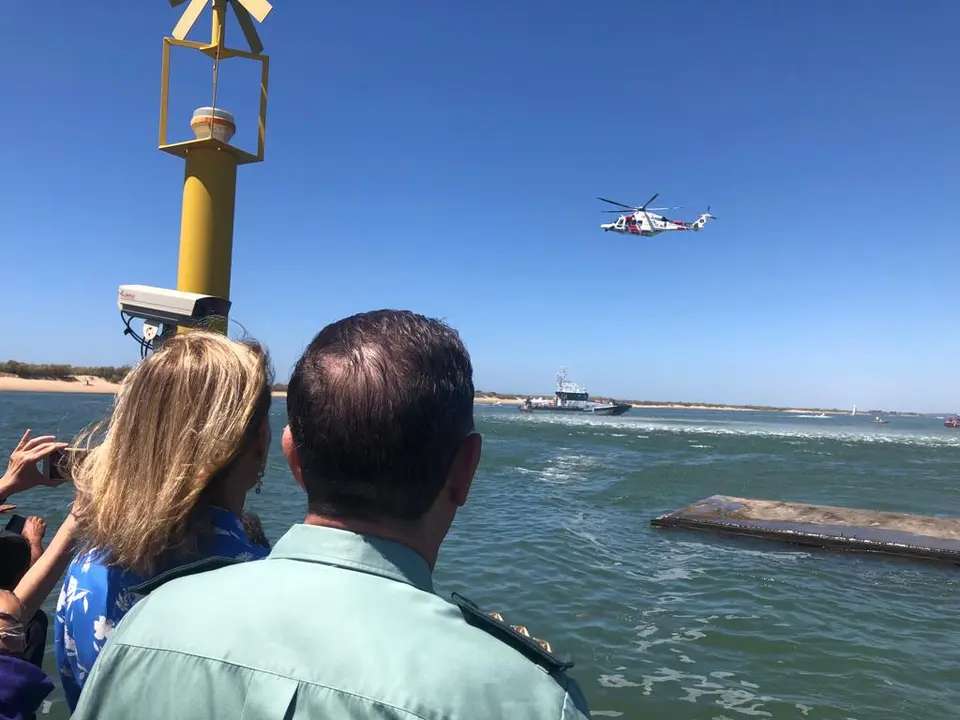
x=22 y=472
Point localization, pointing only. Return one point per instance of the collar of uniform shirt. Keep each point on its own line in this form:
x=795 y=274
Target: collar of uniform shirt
x=367 y=553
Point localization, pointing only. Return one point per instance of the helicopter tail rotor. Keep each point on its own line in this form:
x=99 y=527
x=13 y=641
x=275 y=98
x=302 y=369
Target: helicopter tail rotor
x=702 y=220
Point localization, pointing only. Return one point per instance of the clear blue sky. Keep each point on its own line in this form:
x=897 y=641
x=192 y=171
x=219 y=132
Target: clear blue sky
x=446 y=159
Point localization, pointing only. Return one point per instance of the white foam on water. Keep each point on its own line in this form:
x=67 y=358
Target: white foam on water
x=737 y=428
x=685 y=550
x=684 y=658
x=671 y=574
x=523 y=470
x=563 y=469
x=736 y=699
x=616 y=681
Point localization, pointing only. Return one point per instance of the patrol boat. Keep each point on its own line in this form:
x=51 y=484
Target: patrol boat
x=572 y=397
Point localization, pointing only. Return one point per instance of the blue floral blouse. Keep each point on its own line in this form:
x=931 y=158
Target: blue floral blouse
x=96 y=596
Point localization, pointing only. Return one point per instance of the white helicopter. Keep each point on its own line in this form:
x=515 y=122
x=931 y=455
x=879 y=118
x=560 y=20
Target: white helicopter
x=641 y=221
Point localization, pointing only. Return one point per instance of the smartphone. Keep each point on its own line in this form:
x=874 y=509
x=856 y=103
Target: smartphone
x=16 y=524
x=54 y=465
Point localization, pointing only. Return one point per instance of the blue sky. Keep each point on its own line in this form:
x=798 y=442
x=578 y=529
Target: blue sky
x=446 y=159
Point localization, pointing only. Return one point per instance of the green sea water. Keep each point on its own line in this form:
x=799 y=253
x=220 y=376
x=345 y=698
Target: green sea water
x=674 y=624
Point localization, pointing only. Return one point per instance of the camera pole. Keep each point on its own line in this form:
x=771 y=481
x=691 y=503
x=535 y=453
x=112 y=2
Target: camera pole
x=210 y=177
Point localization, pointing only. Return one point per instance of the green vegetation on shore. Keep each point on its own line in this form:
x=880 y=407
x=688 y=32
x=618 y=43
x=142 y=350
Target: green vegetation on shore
x=69 y=373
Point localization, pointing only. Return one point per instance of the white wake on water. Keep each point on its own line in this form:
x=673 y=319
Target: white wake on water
x=619 y=427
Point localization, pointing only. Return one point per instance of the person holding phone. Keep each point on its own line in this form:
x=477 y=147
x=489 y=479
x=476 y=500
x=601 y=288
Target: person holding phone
x=163 y=484
x=21 y=541
x=22 y=472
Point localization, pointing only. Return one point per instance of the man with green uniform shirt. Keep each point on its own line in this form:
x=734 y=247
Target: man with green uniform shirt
x=341 y=619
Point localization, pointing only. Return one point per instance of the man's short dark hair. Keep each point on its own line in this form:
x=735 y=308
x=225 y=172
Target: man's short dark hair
x=378 y=406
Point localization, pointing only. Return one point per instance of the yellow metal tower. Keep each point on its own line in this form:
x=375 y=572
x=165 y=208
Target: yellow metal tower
x=210 y=179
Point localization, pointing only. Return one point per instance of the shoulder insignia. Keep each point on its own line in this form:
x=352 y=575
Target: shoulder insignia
x=204 y=565
x=517 y=636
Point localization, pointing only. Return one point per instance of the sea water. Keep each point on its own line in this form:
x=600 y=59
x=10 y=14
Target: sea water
x=670 y=624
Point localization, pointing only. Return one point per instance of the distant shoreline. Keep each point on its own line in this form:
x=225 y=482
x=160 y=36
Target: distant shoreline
x=516 y=401
x=92 y=385
x=80 y=385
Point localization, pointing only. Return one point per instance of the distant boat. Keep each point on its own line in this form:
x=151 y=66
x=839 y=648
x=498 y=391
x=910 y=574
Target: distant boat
x=952 y=422
x=854 y=411
x=572 y=397
x=879 y=421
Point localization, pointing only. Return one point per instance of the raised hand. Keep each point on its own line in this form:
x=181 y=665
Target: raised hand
x=34 y=529
x=22 y=473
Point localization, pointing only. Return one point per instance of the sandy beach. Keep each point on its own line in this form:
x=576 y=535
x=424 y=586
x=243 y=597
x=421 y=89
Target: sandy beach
x=81 y=384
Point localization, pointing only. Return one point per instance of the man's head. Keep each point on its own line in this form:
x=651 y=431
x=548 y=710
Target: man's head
x=380 y=410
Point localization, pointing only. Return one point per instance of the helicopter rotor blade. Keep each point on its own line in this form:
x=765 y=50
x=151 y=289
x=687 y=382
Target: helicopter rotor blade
x=644 y=206
x=614 y=202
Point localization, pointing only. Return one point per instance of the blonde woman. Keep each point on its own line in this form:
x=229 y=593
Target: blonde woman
x=187 y=439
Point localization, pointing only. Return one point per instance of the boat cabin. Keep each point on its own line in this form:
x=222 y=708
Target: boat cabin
x=570 y=394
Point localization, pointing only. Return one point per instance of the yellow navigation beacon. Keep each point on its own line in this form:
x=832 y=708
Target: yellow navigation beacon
x=210 y=178
x=202 y=297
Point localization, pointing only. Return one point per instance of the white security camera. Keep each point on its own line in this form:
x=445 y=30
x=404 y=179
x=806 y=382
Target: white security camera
x=170 y=307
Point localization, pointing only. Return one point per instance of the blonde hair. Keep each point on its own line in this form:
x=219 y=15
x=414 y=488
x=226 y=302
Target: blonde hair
x=181 y=417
